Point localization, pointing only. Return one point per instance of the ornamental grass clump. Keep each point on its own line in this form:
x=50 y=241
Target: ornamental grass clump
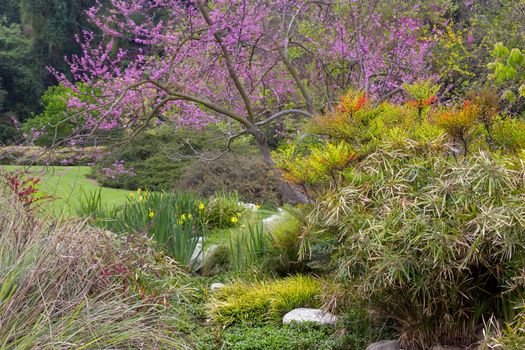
x=435 y=245
x=60 y=287
x=174 y=220
x=263 y=302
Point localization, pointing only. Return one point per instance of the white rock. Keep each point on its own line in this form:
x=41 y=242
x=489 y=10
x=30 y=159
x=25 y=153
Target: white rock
x=196 y=256
x=269 y=220
x=309 y=315
x=199 y=253
x=385 y=345
x=249 y=206
x=217 y=285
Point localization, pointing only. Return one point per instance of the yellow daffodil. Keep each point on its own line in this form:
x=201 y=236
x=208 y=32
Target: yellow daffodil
x=151 y=214
x=141 y=198
x=131 y=194
x=183 y=217
x=201 y=206
x=139 y=190
x=257 y=206
x=189 y=216
x=234 y=219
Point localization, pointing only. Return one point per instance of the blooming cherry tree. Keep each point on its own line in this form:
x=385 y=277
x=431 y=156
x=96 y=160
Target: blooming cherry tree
x=245 y=61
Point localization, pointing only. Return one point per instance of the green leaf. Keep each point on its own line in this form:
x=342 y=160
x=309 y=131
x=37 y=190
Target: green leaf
x=515 y=58
x=500 y=50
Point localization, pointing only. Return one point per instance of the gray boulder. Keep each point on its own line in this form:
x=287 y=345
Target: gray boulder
x=309 y=315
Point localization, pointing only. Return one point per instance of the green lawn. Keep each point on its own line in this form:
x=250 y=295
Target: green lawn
x=66 y=184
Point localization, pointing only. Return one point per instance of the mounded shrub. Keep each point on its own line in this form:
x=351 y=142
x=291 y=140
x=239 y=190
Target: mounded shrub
x=426 y=205
x=246 y=174
x=149 y=161
x=433 y=244
x=263 y=302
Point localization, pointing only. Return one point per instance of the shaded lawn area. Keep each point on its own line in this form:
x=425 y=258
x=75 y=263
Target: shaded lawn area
x=67 y=185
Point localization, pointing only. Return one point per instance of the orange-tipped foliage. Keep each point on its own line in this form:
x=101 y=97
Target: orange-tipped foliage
x=352 y=102
x=459 y=122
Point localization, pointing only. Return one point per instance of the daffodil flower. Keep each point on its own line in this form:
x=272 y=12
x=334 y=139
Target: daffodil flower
x=201 y=206
x=151 y=214
x=131 y=194
x=234 y=219
x=141 y=198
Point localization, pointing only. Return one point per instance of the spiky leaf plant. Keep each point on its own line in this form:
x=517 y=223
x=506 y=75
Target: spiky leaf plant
x=434 y=244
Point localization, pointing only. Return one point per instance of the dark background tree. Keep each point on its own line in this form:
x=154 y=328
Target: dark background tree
x=34 y=34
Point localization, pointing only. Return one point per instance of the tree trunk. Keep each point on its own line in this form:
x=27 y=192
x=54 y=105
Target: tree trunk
x=290 y=193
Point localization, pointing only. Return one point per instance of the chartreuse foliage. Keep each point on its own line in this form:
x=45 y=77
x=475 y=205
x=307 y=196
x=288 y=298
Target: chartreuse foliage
x=263 y=302
x=357 y=128
x=508 y=69
x=423 y=93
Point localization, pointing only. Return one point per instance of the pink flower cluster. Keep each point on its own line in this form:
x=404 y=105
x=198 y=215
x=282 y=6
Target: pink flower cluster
x=117 y=168
x=238 y=58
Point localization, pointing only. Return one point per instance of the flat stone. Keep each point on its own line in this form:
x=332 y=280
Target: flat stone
x=196 y=256
x=275 y=217
x=217 y=285
x=309 y=315
x=249 y=206
x=384 y=345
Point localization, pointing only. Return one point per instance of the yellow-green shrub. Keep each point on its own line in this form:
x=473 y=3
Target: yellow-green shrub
x=509 y=134
x=263 y=302
x=287 y=237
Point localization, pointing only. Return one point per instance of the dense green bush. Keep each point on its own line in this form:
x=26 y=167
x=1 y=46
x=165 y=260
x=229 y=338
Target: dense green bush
x=244 y=173
x=152 y=160
x=165 y=159
x=426 y=204
x=434 y=244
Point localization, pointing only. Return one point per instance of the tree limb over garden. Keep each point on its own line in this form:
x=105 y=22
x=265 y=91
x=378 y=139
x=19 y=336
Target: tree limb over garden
x=193 y=63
